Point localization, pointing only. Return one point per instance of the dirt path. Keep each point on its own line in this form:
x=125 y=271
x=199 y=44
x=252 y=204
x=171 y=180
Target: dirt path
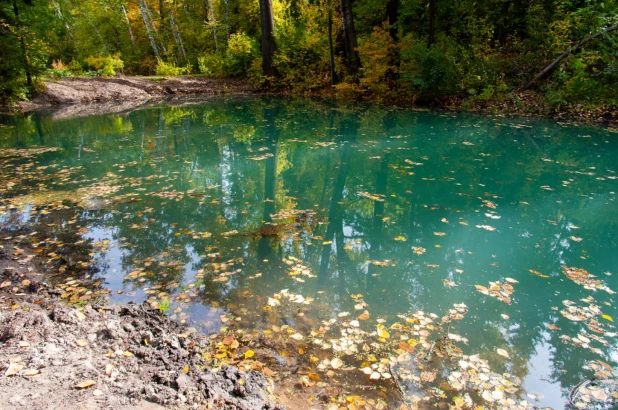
x=54 y=356
x=97 y=95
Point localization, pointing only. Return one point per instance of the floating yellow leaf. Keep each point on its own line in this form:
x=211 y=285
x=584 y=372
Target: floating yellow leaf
x=537 y=273
x=607 y=317
x=503 y=352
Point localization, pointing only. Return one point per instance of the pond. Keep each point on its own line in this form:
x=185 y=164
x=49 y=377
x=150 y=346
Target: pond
x=346 y=227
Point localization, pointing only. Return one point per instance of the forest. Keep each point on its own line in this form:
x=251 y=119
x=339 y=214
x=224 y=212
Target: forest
x=560 y=52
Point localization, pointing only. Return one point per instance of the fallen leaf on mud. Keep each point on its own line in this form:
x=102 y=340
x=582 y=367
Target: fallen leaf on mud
x=13 y=369
x=82 y=342
x=109 y=368
x=249 y=354
x=80 y=315
x=31 y=372
x=24 y=344
x=85 y=384
x=268 y=372
x=126 y=353
x=314 y=376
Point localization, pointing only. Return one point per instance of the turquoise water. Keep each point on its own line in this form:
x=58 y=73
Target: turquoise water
x=409 y=209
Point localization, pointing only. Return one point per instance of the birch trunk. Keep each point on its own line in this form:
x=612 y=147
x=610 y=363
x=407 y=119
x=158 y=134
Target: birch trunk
x=177 y=36
x=126 y=17
x=96 y=30
x=214 y=28
x=153 y=43
x=154 y=26
x=57 y=7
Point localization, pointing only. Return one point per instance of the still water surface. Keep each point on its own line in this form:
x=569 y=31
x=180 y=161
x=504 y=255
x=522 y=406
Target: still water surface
x=409 y=209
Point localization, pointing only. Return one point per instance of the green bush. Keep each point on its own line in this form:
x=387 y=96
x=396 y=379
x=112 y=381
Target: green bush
x=106 y=66
x=170 y=69
x=211 y=64
x=241 y=51
x=432 y=71
x=76 y=68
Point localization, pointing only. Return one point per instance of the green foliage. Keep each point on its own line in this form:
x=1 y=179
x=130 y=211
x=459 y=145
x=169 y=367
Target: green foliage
x=241 y=51
x=164 y=305
x=483 y=49
x=432 y=71
x=378 y=55
x=106 y=66
x=211 y=64
x=75 y=67
x=170 y=69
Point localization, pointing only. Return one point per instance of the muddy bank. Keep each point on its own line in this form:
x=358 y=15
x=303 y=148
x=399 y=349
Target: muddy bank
x=82 y=96
x=57 y=356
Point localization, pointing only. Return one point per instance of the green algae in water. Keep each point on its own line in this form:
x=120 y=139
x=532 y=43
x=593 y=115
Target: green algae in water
x=358 y=216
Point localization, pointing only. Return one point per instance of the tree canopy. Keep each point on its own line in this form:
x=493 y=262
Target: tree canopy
x=412 y=49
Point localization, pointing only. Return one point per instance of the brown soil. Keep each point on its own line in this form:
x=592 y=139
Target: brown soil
x=56 y=356
x=82 y=96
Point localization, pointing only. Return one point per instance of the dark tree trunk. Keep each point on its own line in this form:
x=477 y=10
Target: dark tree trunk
x=268 y=38
x=23 y=47
x=351 y=45
x=392 y=14
x=432 y=23
x=333 y=75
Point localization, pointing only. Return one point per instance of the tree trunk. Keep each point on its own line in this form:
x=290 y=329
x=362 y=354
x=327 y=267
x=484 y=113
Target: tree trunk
x=268 y=38
x=154 y=26
x=392 y=14
x=177 y=36
x=61 y=17
x=351 y=45
x=432 y=23
x=126 y=17
x=547 y=71
x=213 y=21
x=153 y=43
x=96 y=30
x=333 y=75
x=227 y=19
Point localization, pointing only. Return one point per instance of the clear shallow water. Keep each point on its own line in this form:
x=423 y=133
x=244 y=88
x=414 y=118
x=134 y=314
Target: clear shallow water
x=433 y=199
